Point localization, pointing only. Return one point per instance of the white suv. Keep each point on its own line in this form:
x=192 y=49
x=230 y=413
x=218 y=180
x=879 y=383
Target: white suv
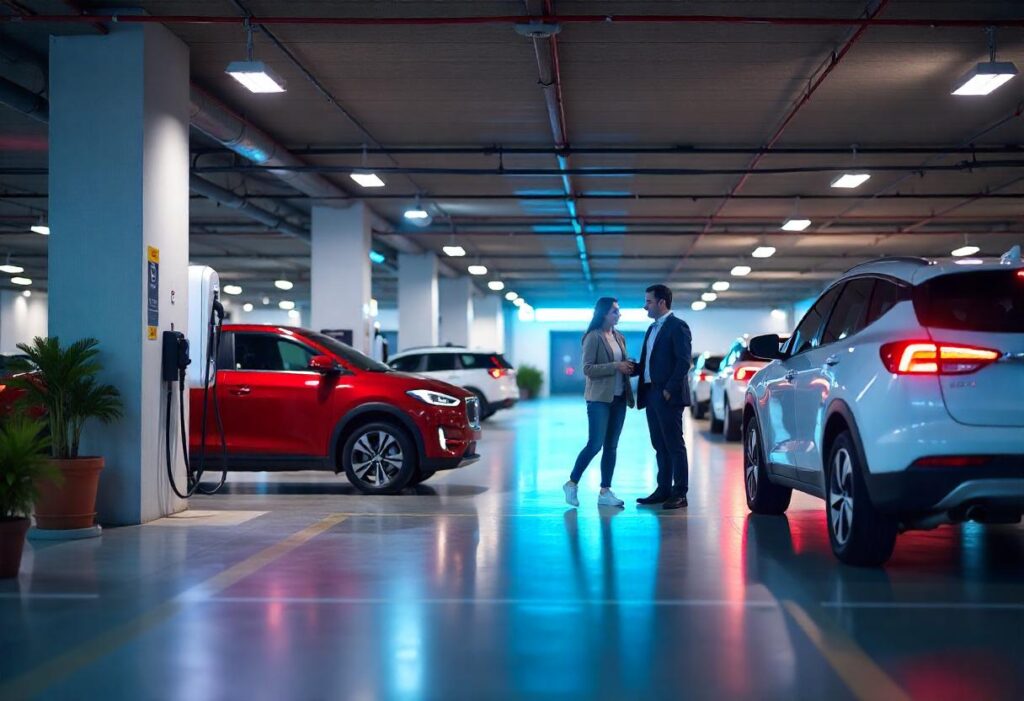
x=898 y=400
x=728 y=387
x=487 y=375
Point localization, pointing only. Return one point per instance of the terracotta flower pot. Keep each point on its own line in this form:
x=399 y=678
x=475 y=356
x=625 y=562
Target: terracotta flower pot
x=71 y=504
x=12 y=542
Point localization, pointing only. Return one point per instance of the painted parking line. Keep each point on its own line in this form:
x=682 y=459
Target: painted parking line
x=865 y=679
x=85 y=653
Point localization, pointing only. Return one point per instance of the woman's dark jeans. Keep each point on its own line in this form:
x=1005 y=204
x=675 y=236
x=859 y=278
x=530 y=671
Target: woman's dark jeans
x=605 y=420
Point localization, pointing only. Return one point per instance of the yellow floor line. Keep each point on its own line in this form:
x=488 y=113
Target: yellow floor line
x=38 y=679
x=863 y=677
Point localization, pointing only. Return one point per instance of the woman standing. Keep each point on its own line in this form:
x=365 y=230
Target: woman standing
x=608 y=393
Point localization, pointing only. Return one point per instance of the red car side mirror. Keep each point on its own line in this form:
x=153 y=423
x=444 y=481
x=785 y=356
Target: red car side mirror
x=324 y=364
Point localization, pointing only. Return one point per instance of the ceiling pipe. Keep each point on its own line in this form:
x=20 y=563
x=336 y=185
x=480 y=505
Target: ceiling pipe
x=834 y=60
x=24 y=101
x=600 y=19
x=244 y=206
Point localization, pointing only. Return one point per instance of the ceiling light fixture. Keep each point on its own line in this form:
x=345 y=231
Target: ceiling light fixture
x=256 y=76
x=519 y=301
x=709 y=296
x=40 y=229
x=10 y=268
x=764 y=252
x=740 y=271
x=720 y=286
x=376 y=257
x=848 y=181
x=699 y=306
x=293 y=314
x=496 y=285
x=366 y=179
x=778 y=314
x=418 y=214
x=477 y=270
x=247 y=307
x=965 y=251
x=511 y=296
x=986 y=77
x=796 y=224
x=283 y=284
x=26 y=293
x=265 y=301
x=454 y=251
x=286 y=304
x=232 y=290
x=21 y=281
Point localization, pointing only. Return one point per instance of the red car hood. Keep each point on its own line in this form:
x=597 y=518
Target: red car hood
x=407 y=381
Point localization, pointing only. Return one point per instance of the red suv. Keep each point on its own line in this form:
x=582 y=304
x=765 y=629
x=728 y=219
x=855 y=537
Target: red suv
x=294 y=399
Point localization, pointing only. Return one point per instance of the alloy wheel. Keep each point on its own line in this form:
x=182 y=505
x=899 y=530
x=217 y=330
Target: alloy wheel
x=753 y=462
x=840 y=496
x=377 y=458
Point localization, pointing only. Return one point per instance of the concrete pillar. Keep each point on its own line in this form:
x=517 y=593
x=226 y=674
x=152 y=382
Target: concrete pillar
x=488 y=323
x=417 y=299
x=118 y=183
x=456 y=316
x=340 y=272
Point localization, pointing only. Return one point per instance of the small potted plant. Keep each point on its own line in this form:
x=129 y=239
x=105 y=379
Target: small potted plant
x=60 y=382
x=529 y=380
x=23 y=467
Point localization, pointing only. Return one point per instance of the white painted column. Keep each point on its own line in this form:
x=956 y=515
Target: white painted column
x=118 y=184
x=456 y=305
x=21 y=318
x=488 y=323
x=417 y=300
x=340 y=272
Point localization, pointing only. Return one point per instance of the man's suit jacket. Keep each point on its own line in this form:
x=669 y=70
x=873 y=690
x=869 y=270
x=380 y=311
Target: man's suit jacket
x=670 y=363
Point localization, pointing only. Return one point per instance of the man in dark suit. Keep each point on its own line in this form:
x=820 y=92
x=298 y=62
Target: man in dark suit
x=665 y=392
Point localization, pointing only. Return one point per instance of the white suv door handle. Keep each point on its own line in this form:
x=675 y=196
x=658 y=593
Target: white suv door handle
x=832 y=360
x=791 y=375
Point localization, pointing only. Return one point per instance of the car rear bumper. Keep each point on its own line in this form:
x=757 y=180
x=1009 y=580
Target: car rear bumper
x=997 y=486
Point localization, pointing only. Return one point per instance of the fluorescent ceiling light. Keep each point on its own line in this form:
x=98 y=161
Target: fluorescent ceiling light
x=367 y=179
x=796 y=224
x=376 y=257
x=526 y=312
x=740 y=270
x=256 y=76
x=720 y=286
x=477 y=270
x=778 y=314
x=247 y=307
x=849 y=181
x=293 y=314
x=511 y=296
x=416 y=213
x=959 y=253
x=283 y=284
x=699 y=306
x=232 y=290
x=41 y=229
x=763 y=252
x=985 y=77
x=20 y=281
x=454 y=251
x=709 y=296
x=519 y=302
x=496 y=285
x=265 y=300
x=11 y=269
x=26 y=293
x=286 y=304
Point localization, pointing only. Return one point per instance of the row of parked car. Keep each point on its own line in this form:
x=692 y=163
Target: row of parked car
x=897 y=400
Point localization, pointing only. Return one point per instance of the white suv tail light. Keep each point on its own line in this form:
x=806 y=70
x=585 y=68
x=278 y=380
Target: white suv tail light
x=935 y=358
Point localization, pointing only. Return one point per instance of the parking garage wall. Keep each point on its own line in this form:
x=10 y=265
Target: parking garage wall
x=713 y=330
x=21 y=319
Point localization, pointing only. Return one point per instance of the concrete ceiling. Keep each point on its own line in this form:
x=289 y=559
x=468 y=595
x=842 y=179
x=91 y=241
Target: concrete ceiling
x=685 y=216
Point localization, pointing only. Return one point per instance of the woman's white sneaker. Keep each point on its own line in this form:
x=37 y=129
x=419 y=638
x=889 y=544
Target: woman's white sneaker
x=570 y=494
x=608 y=498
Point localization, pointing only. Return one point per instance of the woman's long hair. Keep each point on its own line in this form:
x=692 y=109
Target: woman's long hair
x=601 y=309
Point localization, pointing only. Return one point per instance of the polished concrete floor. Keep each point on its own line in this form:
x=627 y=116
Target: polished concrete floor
x=483 y=584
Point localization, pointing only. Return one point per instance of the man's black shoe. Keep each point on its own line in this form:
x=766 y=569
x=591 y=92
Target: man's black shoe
x=656 y=497
x=675 y=503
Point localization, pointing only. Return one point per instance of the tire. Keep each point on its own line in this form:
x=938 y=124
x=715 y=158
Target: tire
x=486 y=411
x=699 y=410
x=380 y=458
x=715 y=425
x=763 y=496
x=860 y=534
x=731 y=423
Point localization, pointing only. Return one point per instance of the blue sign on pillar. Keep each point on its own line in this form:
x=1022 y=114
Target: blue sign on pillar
x=153 y=287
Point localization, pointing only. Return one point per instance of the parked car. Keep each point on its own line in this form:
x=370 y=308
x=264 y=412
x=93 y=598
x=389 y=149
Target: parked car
x=898 y=401
x=704 y=368
x=294 y=399
x=486 y=374
x=729 y=385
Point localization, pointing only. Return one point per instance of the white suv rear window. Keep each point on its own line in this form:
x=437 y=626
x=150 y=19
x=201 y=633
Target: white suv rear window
x=986 y=300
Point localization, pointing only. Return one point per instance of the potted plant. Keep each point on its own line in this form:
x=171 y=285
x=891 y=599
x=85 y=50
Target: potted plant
x=529 y=380
x=23 y=467
x=61 y=383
